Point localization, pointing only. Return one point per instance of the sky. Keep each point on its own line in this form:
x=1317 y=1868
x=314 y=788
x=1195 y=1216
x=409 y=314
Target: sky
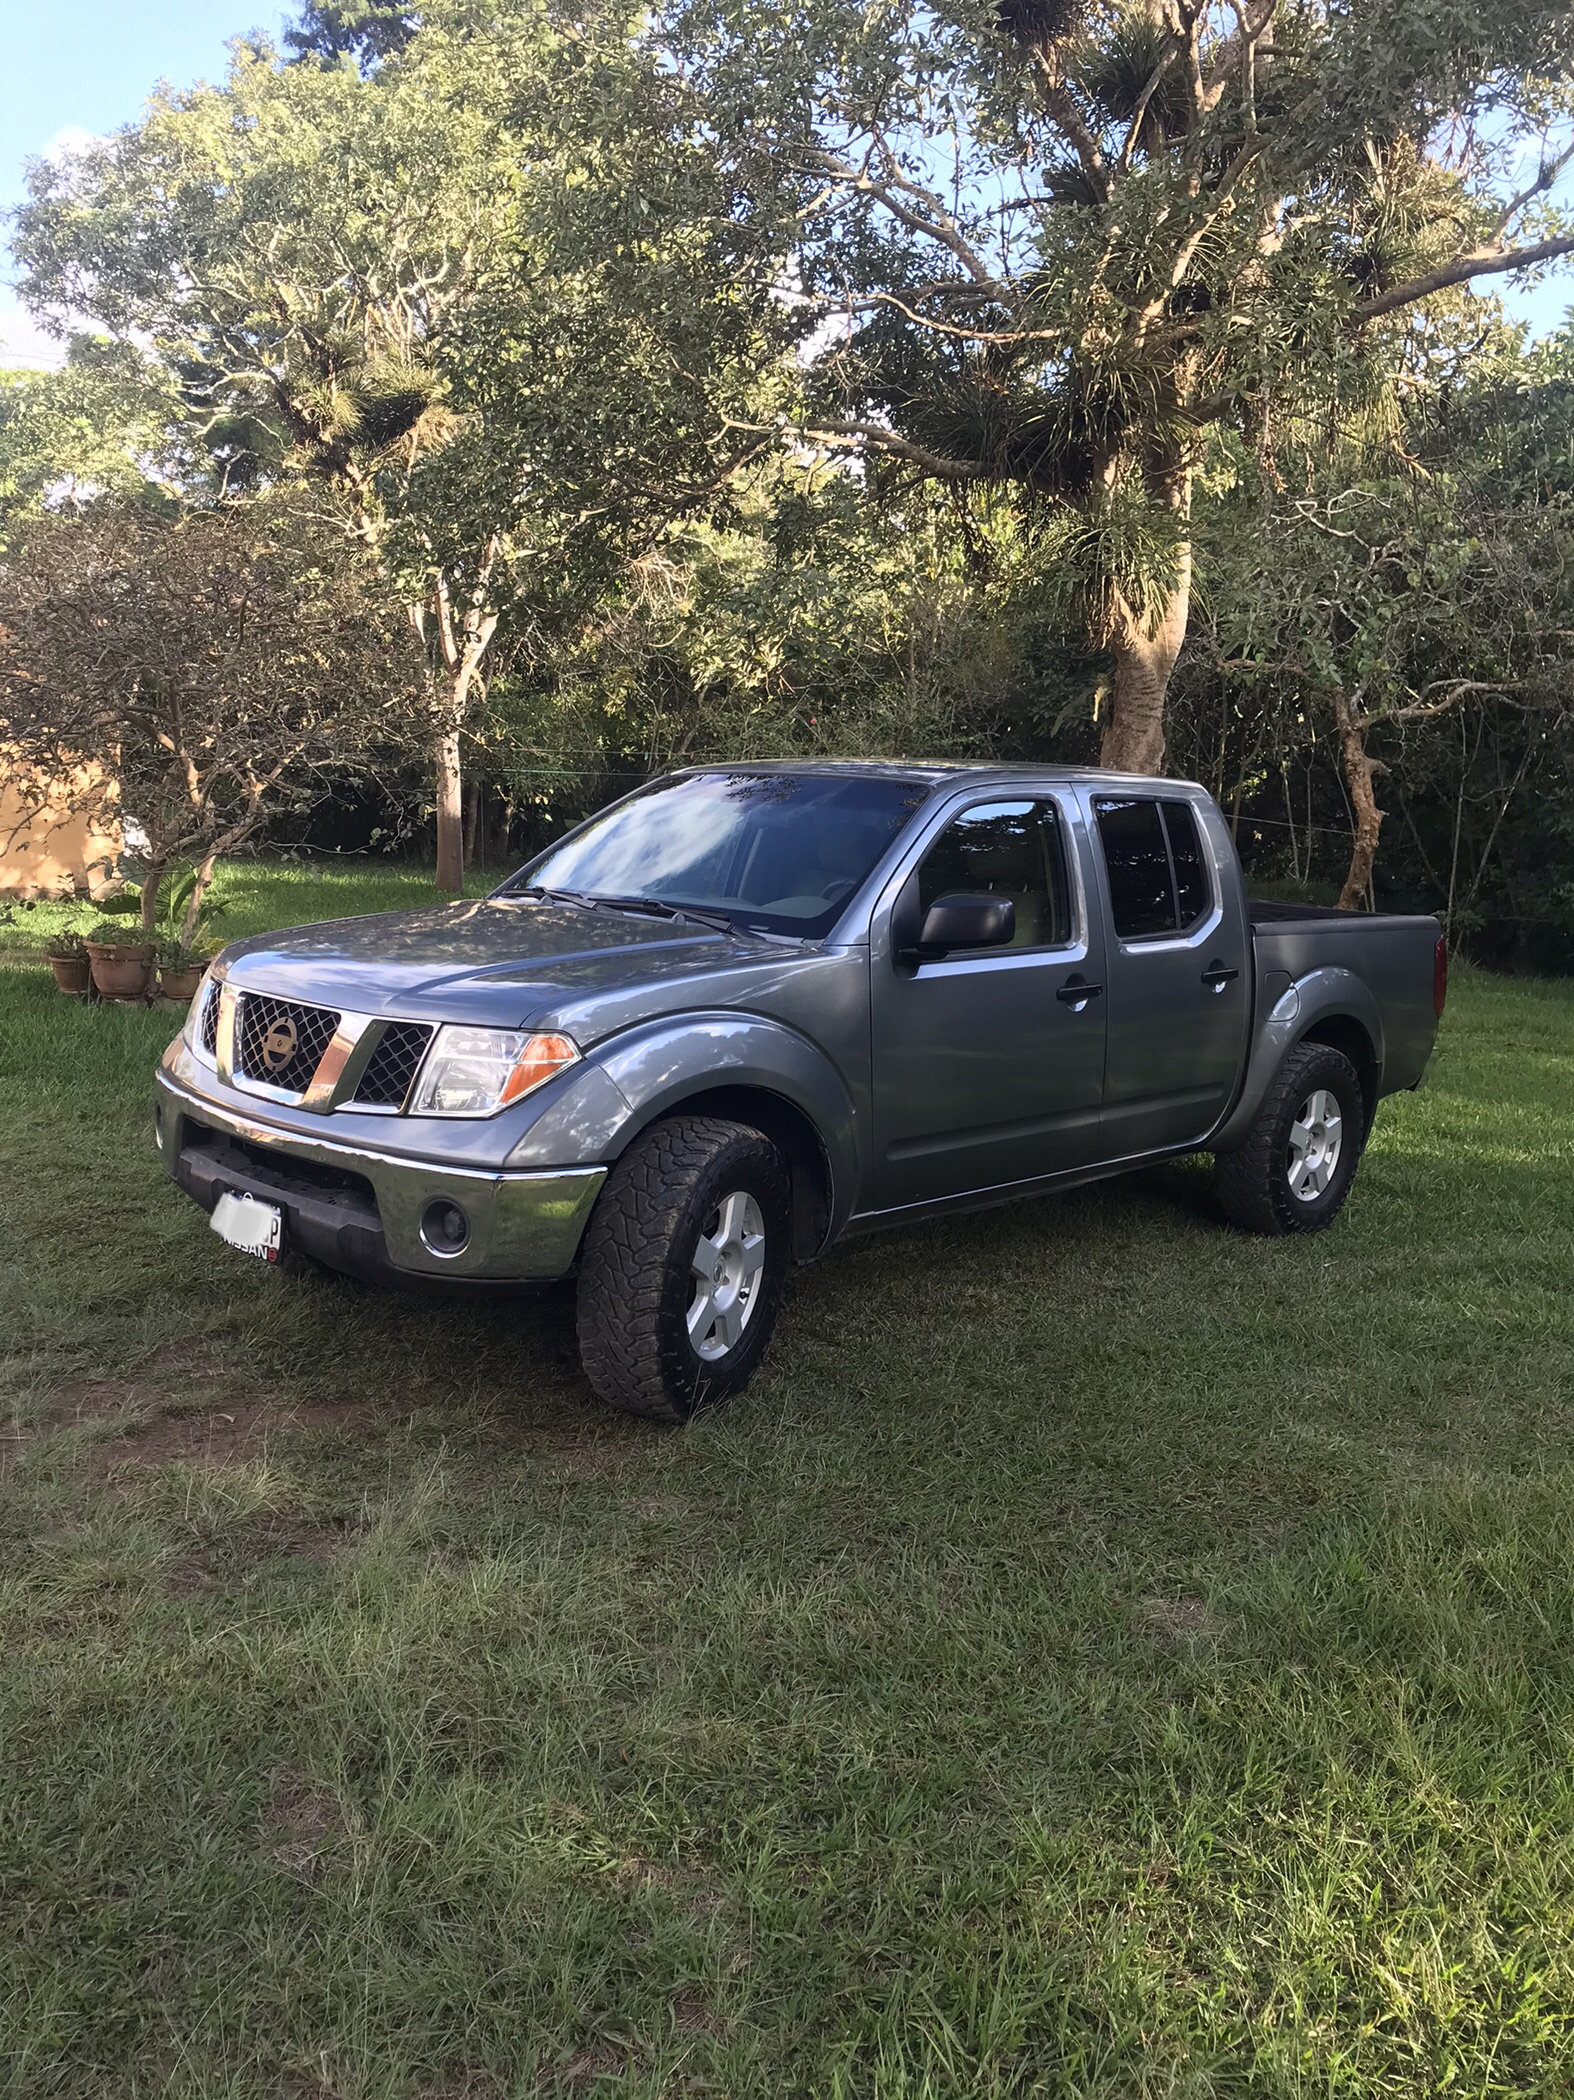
x=74 y=66
x=69 y=67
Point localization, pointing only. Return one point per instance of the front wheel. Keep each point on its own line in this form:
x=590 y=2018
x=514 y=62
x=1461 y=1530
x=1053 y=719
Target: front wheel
x=1295 y=1169
x=684 y=1264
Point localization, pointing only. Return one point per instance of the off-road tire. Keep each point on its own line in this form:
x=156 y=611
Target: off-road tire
x=635 y=1278
x=1253 y=1181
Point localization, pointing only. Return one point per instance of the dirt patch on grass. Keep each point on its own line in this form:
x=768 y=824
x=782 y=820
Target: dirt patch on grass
x=236 y=1429
x=299 y=1820
x=602 y=2060
x=276 y=1536
x=692 y=2014
x=1177 y=1622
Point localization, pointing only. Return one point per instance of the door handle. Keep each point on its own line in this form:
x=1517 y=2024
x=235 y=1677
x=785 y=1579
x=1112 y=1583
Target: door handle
x=1216 y=976
x=1075 y=993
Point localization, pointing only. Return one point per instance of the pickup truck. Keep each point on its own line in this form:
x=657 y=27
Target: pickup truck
x=750 y=1010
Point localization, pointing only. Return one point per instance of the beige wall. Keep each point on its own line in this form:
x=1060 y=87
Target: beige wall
x=50 y=852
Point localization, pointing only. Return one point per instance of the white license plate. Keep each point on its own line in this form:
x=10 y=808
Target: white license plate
x=253 y=1227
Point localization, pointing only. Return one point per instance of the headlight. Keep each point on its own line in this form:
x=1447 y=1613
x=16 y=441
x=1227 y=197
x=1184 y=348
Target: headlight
x=197 y=1037
x=477 y=1071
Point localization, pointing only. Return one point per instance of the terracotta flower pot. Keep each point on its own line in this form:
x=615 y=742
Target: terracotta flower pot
x=73 y=974
x=122 y=969
x=180 y=984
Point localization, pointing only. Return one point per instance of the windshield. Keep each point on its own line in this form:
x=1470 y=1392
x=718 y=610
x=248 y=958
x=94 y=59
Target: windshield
x=777 y=852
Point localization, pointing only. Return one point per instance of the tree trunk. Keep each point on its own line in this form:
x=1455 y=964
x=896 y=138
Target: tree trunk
x=450 y=813
x=472 y=815
x=1144 y=653
x=199 y=889
x=152 y=883
x=453 y=641
x=1360 y=770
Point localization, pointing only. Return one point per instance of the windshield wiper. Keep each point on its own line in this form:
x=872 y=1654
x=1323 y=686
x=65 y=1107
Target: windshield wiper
x=658 y=908
x=647 y=907
x=535 y=891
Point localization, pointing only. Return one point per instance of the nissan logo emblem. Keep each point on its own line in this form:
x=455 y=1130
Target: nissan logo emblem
x=279 y=1045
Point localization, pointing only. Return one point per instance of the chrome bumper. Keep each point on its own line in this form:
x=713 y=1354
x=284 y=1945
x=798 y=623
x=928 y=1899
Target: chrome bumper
x=522 y=1227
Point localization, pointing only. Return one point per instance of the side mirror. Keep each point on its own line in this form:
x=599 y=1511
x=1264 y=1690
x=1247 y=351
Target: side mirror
x=960 y=921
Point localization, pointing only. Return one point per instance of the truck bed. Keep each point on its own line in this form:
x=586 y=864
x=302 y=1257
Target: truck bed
x=1391 y=950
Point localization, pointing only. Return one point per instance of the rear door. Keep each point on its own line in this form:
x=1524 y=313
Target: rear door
x=989 y=1065
x=1177 y=974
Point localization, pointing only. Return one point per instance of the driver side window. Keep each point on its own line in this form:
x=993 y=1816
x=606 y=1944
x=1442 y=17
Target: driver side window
x=1005 y=849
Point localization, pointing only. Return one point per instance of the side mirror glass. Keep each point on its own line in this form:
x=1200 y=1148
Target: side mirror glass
x=959 y=921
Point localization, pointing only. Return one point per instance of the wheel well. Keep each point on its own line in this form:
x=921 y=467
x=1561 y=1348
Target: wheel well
x=795 y=1138
x=1343 y=1033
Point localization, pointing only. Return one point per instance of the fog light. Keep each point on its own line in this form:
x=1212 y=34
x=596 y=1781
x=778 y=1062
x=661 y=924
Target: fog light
x=444 y=1227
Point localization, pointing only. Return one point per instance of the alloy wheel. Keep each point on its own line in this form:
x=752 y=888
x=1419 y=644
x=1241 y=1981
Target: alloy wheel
x=1316 y=1140
x=727 y=1264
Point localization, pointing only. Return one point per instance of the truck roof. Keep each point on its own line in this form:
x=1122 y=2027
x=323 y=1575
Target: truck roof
x=935 y=772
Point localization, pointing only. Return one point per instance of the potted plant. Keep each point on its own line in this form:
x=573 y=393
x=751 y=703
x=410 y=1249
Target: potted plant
x=180 y=969
x=178 y=928
x=68 y=958
x=122 y=962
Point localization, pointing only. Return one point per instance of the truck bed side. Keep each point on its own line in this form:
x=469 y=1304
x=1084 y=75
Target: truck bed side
x=1361 y=981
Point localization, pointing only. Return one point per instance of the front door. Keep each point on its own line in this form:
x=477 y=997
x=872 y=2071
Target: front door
x=988 y=1065
x=1179 y=983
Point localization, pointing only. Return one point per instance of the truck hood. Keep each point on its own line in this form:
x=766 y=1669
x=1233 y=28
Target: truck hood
x=499 y=962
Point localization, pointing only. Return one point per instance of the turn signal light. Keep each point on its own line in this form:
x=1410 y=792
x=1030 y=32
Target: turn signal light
x=541 y=1057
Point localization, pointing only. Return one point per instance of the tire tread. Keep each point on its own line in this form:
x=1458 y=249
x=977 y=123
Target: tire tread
x=624 y=1265
x=1250 y=1181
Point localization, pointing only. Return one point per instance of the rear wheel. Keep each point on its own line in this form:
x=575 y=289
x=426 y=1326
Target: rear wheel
x=684 y=1264
x=1295 y=1169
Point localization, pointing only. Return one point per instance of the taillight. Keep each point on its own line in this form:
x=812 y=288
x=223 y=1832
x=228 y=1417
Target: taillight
x=1440 y=975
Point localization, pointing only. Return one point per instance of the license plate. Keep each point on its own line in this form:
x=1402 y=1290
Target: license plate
x=249 y=1226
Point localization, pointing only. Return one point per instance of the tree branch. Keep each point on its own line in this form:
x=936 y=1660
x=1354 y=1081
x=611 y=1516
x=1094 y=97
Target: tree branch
x=1485 y=263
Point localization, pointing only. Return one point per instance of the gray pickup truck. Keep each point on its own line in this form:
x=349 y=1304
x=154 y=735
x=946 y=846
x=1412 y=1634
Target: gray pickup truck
x=750 y=1010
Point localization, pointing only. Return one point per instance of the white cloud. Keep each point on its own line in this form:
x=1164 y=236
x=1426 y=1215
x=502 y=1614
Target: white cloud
x=70 y=138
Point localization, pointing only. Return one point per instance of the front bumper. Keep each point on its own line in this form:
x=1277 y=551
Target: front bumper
x=362 y=1211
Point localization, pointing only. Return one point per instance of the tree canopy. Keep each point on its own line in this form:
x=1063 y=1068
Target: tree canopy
x=1061 y=243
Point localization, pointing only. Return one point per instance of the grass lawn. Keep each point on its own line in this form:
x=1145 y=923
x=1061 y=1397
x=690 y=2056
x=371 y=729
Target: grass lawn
x=1102 y=1656
x=256 y=895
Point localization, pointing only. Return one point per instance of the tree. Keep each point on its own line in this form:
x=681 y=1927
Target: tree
x=1063 y=240
x=106 y=424
x=366 y=30
x=1366 y=621
x=198 y=675
x=449 y=291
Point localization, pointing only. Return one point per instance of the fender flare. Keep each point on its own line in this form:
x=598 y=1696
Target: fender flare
x=634 y=1078
x=1331 y=993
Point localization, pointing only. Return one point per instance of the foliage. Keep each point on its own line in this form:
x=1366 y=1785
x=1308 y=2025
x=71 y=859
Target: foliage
x=486 y=294
x=1372 y=619
x=368 y=30
x=196 y=674
x=185 y=912
x=1057 y=243
x=110 y=933
x=65 y=946
x=109 y=424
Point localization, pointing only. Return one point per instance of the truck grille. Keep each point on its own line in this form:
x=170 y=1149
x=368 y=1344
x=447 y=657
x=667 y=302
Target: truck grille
x=280 y=1042
x=392 y=1065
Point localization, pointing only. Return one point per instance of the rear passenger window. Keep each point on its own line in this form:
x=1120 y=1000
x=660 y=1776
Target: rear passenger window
x=1158 y=879
x=1005 y=849
x=1193 y=893
x=1141 y=895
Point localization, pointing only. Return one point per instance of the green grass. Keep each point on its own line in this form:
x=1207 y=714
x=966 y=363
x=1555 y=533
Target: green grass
x=1103 y=1655
x=257 y=895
